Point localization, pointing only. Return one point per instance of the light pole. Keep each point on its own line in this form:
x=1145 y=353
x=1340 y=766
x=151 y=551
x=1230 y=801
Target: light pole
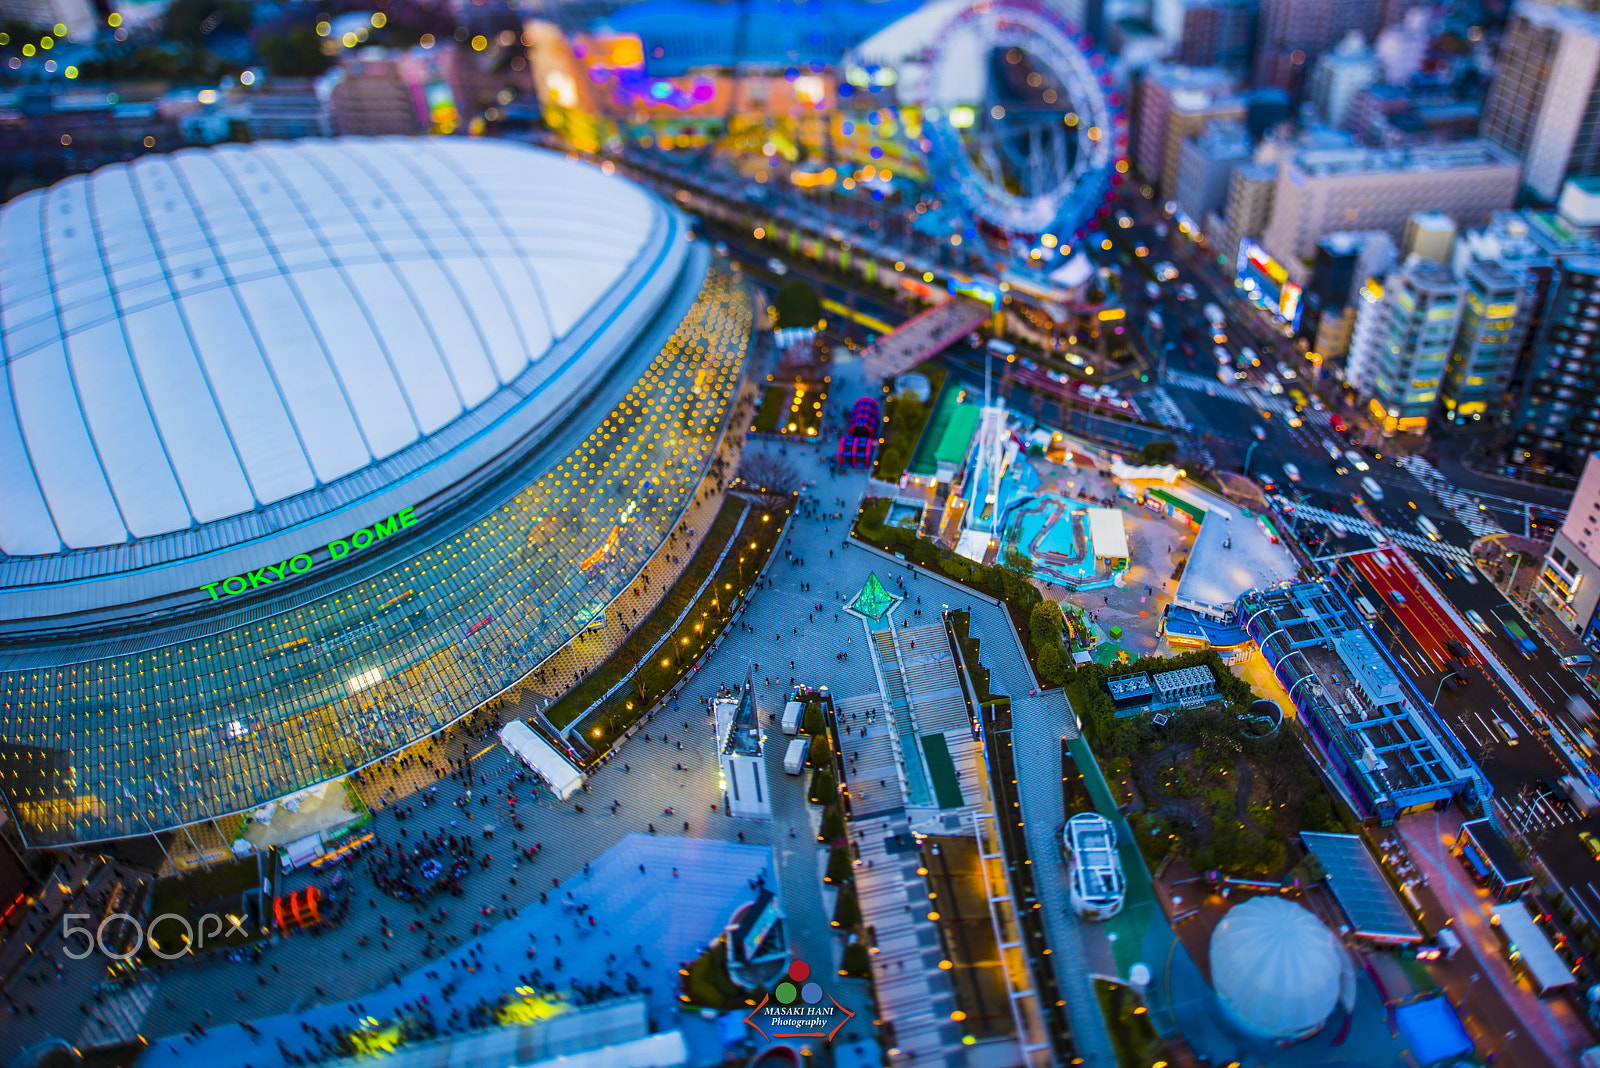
x=1448 y=676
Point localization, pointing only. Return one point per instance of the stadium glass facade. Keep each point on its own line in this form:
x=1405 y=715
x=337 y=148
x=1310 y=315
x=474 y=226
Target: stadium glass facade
x=223 y=722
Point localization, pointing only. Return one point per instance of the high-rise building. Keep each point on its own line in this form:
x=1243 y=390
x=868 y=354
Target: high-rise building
x=1402 y=340
x=1340 y=74
x=1166 y=92
x=1403 y=45
x=1557 y=424
x=1496 y=311
x=1320 y=192
x=1248 y=207
x=1429 y=234
x=371 y=98
x=1543 y=105
x=1205 y=163
x=1291 y=34
x=1569 y=582
x=1206 y=33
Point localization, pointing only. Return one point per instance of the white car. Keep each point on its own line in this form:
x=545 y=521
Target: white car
x=1222 y=355
x=1332 y=449
x=777 y=267
x=1165 y=271
x=1274 y=387
x=1152 y=291
x=1187 y=292
x=1356 y=461
x=1291 y=472
x=1259 y=431
x=1476 y=620
x=1285 y=371
x=1371 y=488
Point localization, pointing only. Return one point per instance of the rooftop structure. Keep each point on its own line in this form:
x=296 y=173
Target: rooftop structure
x=1097 y=887
x=1368 y=901
x=1186 y=686
x=1486 y=852
x=739 y=755
x=1380 y=740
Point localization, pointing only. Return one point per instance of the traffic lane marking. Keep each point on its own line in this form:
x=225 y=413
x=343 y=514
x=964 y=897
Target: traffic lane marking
x=1417 y=625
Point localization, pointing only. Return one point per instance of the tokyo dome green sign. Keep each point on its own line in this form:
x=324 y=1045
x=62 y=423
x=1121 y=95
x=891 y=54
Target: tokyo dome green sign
x=299 y=565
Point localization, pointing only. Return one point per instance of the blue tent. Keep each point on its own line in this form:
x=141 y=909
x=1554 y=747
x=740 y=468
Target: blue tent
x=1433 y=1031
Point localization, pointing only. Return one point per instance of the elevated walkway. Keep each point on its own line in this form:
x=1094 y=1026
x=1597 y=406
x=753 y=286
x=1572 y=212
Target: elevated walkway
x=924 y=336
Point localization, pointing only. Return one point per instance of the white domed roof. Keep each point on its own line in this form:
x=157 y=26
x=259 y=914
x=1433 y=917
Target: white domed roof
x=1277 y=967
x=192 y=336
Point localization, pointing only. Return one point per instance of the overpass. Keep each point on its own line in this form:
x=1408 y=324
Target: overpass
x=924 y=336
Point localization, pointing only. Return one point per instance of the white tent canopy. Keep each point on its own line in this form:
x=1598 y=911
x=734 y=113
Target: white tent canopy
x=542 y=758
x=1106 y=531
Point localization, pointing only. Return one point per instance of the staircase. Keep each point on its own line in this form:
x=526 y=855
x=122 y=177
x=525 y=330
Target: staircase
x=117 y=1019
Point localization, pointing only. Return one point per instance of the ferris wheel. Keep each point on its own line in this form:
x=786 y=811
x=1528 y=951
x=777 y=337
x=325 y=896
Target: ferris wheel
x=1024 y=169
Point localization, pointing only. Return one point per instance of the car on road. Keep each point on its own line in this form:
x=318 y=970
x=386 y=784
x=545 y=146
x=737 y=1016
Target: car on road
x=1152 y=291
x=1373 y=490
x=1510 y=732
x=1213 y=314
x=1165 y=271
x=1259 y=431
x=1477 y=621
x=1291 y=472
x=1397 y=597
x=777 y=267
x=1285 y=371
x=1462 y=654
x=1248 y=355
x=1187 y=291
x=1331 y=449
x=1356 y=460
x=1222 y=355
x=1425 y=525
x=1268 y=483
x=1466 y=572
x=1339 y=466
x=1337 y=528
x=720 y=248
x=1293 y=419
x=1338 y=424
x=1141 y=251
x=1591 y=843
x=1273 y=385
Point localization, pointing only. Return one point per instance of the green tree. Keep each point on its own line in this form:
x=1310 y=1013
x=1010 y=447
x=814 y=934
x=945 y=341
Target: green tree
x=1050 y=663
x=847 y=910
x=1016 y=577
x=194 y=20
x=296 y=54
x=833 y=828
x=1157 y=452
x=821 y=753
x=797 y=304
x=839 y=867
x=813 y=722
x=1045 y=623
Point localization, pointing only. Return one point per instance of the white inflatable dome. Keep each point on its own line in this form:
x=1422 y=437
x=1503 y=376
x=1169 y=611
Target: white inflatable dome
x=1277 y=968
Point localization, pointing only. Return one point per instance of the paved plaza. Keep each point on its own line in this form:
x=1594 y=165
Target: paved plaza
x=669 y=764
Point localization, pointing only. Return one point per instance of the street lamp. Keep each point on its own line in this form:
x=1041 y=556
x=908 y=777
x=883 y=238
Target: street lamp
x=1437 y=692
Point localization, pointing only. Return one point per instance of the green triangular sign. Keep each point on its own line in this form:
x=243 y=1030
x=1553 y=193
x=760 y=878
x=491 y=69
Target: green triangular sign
x=873 y=600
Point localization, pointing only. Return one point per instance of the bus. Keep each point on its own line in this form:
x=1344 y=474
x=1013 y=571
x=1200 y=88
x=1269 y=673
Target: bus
x=1519 y=638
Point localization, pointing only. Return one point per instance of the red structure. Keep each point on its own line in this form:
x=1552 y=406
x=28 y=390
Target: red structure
x=299 y=910
x=860 y=439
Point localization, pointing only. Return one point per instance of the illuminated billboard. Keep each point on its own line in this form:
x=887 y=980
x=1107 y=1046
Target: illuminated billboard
x=1264 y=281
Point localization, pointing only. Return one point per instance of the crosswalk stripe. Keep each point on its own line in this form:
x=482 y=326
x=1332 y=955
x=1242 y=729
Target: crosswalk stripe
x=1460 y=504
x=1357 y=525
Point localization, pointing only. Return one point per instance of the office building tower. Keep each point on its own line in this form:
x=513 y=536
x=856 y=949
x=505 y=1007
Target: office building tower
x=371 y=98
x=1496 y=311
x=1206 y=33
x=1173 y=103
x=1403 y=337
x=1403 y=45
x=1542 y=100
x=1340 y=74
x=1248 y=207
x=1205 y=163
x=1569 y=581
x=1557 y=423
x=1291 y=34
x=1323 y=191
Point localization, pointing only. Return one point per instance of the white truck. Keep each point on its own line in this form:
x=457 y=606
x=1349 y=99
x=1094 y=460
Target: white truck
x=794 y=761
x=1578 y=792
x=792 y=714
